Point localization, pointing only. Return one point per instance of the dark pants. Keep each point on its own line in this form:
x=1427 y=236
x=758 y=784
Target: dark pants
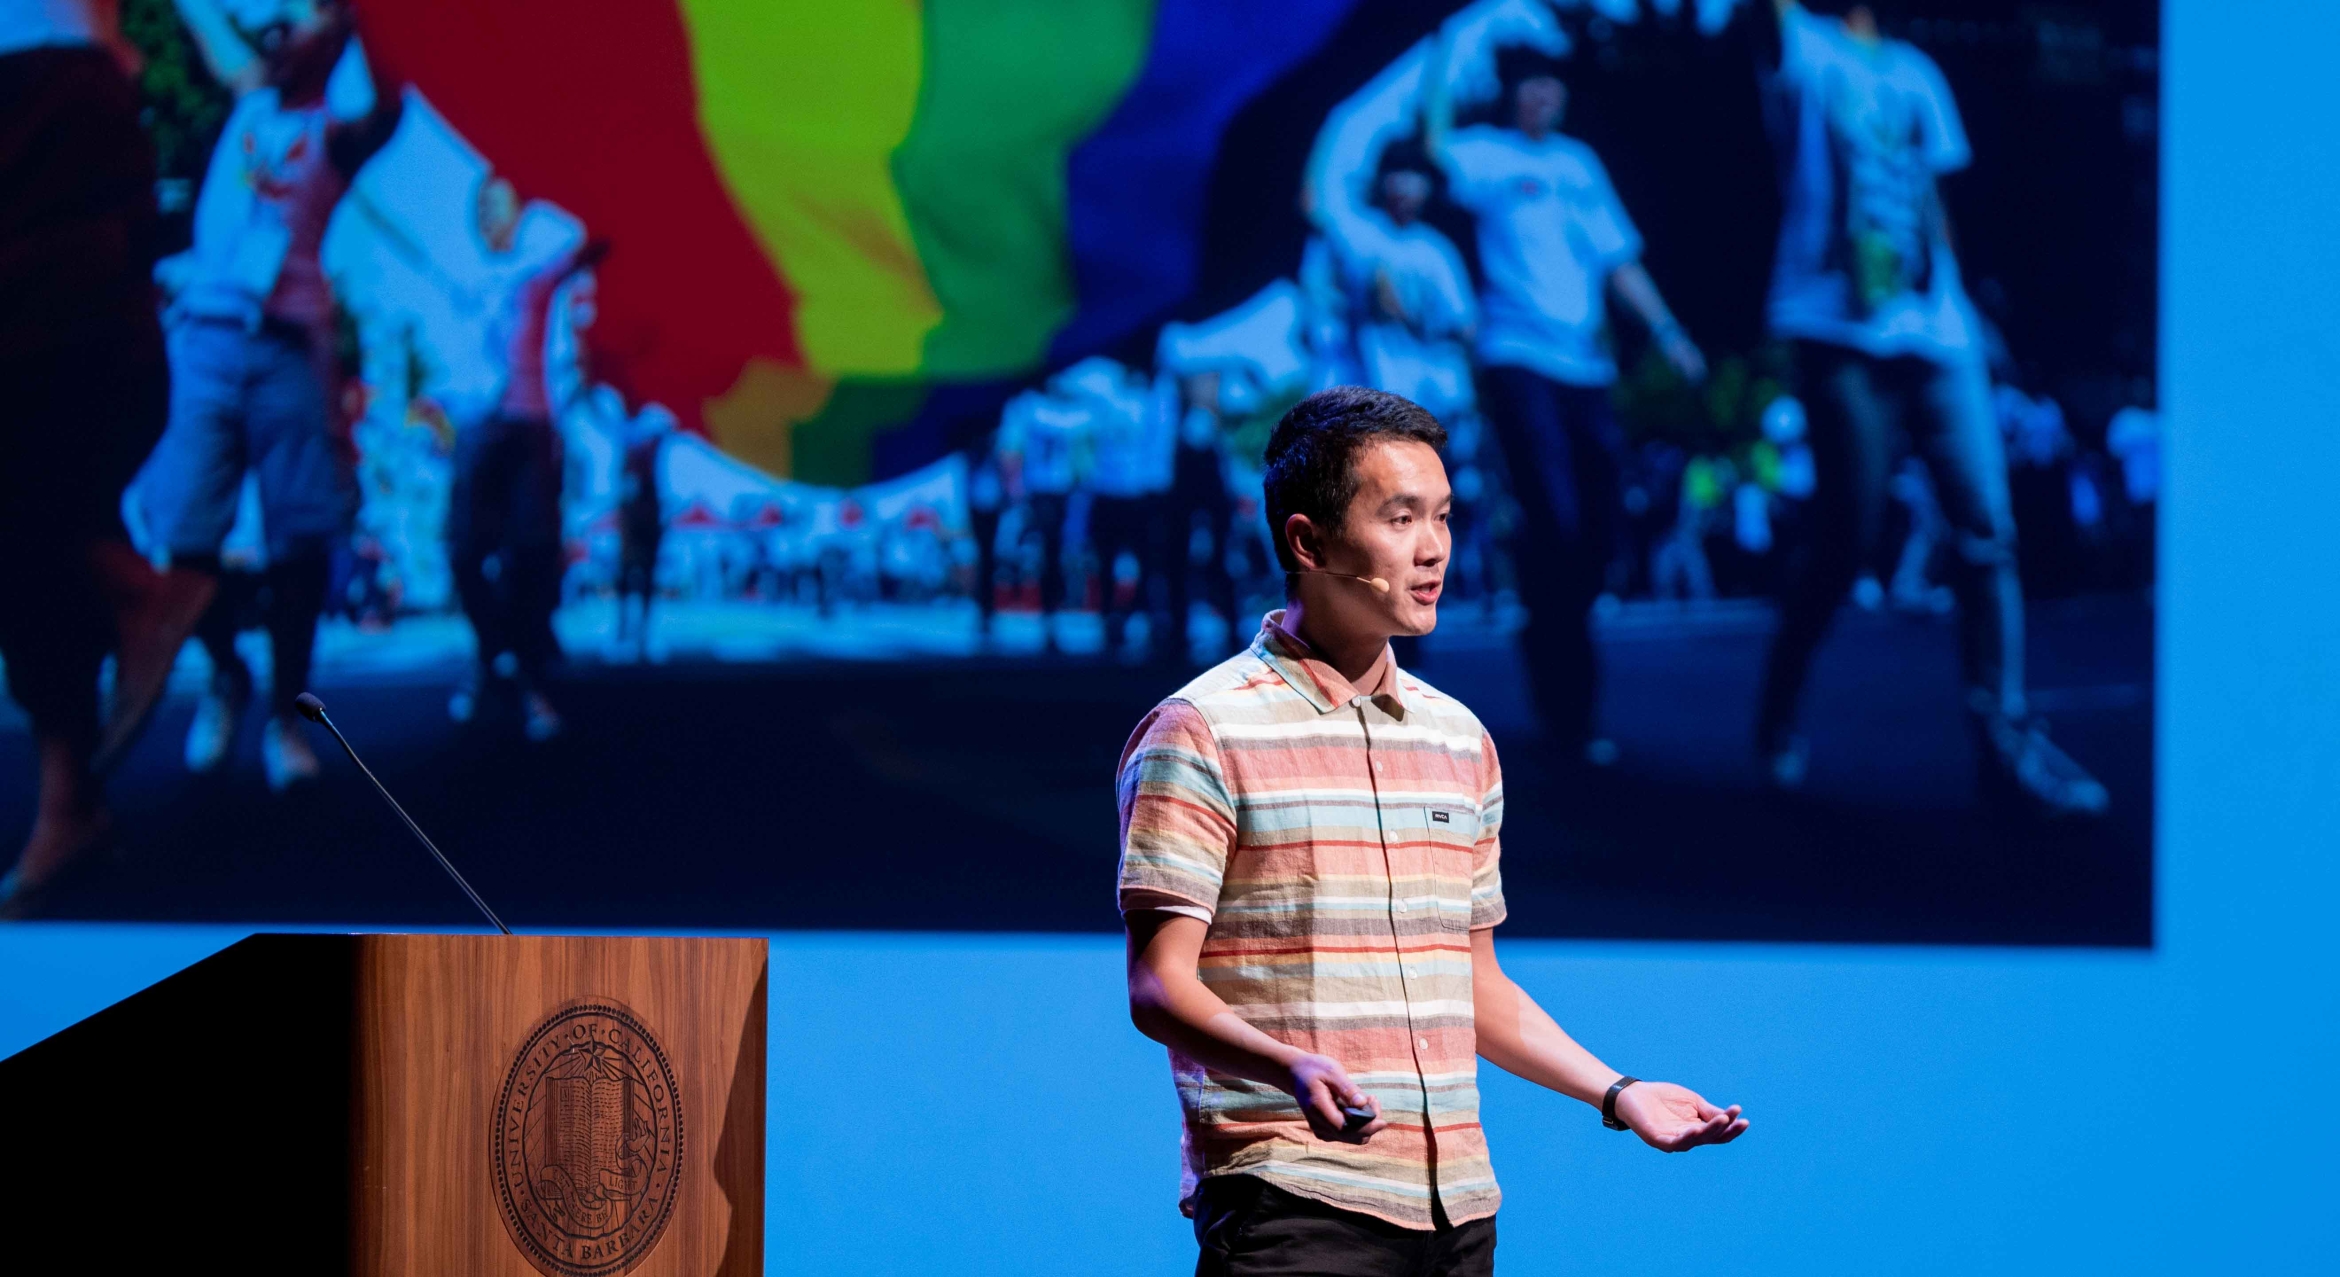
x=84 y=385
x=983 y=525
x=1198 y=495
x=1044 y=514
x=504 y=538
x=1565 y=454
x=285 y=599
x=638 y=541
x=1250 y=1228
x=1141 y=526
x=1859 y=408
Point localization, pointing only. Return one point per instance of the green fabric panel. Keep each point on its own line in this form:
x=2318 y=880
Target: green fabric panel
x=833 y=447
x=1010 y=88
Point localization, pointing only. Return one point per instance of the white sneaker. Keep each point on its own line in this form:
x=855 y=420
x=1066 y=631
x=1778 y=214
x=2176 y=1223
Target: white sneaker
x=212 y=736
x=286 y=755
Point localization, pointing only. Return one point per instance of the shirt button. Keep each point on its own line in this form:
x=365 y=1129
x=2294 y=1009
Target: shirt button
x=1400 y=906
x=1423 y=1043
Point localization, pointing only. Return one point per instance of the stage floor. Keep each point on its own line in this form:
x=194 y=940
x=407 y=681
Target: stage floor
x=975 y=794
x=974 y=1105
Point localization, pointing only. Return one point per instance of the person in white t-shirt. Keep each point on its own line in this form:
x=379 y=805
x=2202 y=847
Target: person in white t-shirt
x=504 y=545
x=1554 y=242
x=1134 y=443
x=1044 y=454
x=1418 y=312
x=1865 y=287
x=253 y=374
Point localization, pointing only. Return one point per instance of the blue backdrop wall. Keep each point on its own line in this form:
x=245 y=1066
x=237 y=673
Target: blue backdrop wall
x=1916 y=1110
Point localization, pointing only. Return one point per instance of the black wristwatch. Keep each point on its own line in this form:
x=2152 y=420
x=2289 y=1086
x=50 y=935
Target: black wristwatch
x=1609 y=1104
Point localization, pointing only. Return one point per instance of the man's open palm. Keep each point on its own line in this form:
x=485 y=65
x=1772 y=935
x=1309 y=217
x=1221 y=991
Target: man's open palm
x=1675 y=1118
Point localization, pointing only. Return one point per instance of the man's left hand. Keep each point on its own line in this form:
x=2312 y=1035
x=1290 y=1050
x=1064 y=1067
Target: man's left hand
x=1675 y=1119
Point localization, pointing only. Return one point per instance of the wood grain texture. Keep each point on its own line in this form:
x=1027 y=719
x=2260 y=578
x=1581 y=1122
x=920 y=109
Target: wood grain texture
x=439 y=1021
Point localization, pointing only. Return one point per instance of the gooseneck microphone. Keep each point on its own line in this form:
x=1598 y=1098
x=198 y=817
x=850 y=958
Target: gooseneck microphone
x=314 y=710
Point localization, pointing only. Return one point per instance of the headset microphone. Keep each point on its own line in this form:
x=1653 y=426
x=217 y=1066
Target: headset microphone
x=1379 y=586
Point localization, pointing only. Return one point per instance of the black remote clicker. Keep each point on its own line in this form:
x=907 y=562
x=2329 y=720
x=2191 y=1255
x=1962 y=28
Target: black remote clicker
x=1356 y=1119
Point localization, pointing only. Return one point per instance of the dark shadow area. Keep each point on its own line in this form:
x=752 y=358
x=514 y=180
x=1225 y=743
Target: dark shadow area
x=975 y=796
x=239 y=1066
x=739 y=1150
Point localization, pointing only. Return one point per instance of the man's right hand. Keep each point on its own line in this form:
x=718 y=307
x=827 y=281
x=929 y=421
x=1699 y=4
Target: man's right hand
x=1322 y=1087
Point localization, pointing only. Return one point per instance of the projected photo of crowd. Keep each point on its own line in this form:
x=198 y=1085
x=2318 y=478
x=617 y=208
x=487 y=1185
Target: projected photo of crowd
x=1797 y=362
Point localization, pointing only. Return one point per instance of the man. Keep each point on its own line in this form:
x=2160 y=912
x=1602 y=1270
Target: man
x=1866 y=289
x=254 y=374
x=1310 y=881
x=642 y=525
x=83 y=391
x=1134 y=446
x=1414 y=337
x=1044 y=456
x=1419 y=313
x=1553 y=242
x=1238 y=372
x=504 y=509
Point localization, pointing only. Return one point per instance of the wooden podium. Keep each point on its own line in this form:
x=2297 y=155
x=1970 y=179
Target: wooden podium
x=407 y=1104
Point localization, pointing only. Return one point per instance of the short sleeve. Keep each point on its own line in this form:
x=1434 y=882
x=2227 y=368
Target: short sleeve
x=1487 y=907
x=1473 y=169
x=1601 y=215
x=1946 y=147
x=1177 y=818
x=1800 y=43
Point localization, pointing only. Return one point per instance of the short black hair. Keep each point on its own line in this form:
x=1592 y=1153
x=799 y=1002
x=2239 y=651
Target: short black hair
x=1312 y=456
x=1516 y=63
x=1405 y=155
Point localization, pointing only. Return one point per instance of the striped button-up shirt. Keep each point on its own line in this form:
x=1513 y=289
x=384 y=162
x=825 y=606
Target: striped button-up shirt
x=1341 y=847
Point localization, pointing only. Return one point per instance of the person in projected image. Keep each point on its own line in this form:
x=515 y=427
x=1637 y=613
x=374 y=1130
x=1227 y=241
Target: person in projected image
x=641 y=527
x=1419 y=313
x=1308 y=836
x=1554 y=241
x=1044 y=457
x=504 y=510
x=84 y=390
x=1865 y=288
x=254 y=376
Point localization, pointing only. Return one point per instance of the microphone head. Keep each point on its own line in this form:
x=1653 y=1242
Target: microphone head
x=1379 y=586
x=310 y=707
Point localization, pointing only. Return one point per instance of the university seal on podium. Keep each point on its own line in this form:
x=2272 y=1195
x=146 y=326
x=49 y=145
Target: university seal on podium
x=589 y=1141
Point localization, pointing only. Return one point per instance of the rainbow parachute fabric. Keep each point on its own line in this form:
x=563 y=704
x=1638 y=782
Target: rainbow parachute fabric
x=821 y=209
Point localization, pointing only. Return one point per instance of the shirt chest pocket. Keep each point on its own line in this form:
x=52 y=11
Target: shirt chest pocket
x=1449 y=832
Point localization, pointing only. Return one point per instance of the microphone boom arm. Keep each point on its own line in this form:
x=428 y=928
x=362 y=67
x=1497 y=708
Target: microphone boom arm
x=314 y=710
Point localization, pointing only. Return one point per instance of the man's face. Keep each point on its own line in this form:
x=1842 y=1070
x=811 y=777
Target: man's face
x=1395 y=529
x=584 y=302
x=300 y=43
x=499 y=214
x=1403 y=193
x=1540 y=100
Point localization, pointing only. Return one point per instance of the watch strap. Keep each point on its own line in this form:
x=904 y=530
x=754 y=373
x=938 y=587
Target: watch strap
x=1609 y=1104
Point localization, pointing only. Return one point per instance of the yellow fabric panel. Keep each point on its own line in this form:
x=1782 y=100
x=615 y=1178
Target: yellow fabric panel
x=803 y=105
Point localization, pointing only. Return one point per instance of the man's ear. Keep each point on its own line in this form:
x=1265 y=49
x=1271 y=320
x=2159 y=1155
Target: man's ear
x=1300 y=532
